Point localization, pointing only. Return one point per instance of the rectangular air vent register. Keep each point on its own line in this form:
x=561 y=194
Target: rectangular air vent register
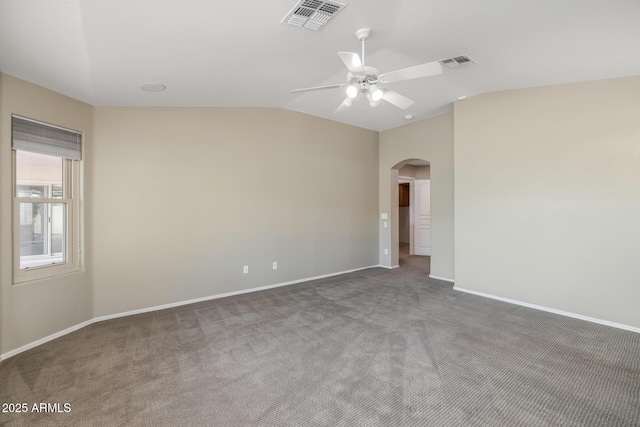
x=458 y=61
x=313 y=14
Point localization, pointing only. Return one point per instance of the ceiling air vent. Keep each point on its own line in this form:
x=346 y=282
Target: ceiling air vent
x=312 y=14
x=458 y=61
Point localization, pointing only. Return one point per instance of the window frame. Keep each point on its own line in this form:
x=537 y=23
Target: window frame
x=71 y=198
x=49 y=190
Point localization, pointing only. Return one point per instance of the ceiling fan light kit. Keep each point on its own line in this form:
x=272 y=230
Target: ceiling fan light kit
x=376 y=94
x=365 y=79
x=372 y=102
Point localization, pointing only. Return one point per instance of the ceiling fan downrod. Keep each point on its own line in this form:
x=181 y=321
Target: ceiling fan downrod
x=362 y=35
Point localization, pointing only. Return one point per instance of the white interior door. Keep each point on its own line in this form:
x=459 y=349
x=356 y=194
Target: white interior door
x=422 y=206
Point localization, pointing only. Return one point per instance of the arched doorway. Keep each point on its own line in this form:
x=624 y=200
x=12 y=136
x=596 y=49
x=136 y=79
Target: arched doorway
x=410 y=219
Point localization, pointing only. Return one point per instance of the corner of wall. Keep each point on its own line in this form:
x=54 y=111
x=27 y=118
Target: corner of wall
x=3 y=204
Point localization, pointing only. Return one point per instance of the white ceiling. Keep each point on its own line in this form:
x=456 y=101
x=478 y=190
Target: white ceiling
x=237 y=53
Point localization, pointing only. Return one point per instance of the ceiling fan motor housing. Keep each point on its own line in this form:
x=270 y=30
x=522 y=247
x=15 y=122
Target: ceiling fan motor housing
x=370 y=76
x=372 y=72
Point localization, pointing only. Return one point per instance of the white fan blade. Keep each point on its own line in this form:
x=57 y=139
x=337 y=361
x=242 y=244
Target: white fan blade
x=353 y=63
x=417 y=71
x=348 y=102
x=396 y=99
x=307 y=89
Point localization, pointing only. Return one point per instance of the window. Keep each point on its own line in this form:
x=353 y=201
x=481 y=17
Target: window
x=46 y=200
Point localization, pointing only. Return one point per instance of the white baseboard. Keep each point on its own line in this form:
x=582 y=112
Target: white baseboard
x=165 y=306
x=224 y=295
x=388 y=267
x=552 y=310
x=445 y=279
x=45 y=339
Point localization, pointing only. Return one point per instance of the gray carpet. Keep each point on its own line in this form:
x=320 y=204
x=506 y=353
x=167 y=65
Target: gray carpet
x=371 y=348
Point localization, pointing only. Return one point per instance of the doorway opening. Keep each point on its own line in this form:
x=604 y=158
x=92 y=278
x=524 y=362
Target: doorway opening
x=411 y=227
x=405 y=218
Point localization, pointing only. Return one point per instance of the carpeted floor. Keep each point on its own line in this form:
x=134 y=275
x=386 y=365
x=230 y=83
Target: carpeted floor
x=372 y=348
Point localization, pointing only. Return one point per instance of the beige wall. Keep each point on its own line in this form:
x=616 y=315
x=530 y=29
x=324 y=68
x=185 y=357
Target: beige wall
x=186 y=196
x=548 y=197
x=417 y=172
x=431 y=140
x=404 y=224
x=422 y=172
x=34 y=310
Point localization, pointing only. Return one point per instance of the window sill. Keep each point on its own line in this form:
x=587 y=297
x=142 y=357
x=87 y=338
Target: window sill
x=37 y=274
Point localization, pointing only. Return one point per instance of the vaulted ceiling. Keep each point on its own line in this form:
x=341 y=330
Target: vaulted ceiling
x=238 y=53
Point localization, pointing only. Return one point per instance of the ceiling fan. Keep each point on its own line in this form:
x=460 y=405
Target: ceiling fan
x=366 y=80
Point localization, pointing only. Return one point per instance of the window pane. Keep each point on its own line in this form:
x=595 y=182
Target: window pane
x=38 y=175
x=58 y=230
x=32 y=191
x=56 y=191
x=32 y=230
x=42 y=234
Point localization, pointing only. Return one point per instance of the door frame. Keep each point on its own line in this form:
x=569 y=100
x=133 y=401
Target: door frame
x=411 y=181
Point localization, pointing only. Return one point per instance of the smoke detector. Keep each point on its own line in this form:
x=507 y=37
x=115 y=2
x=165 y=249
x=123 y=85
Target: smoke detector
x=313 y=14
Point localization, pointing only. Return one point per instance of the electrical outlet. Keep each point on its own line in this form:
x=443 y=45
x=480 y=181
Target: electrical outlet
x=275 y=265
x=386 y=251
x=385 y=224
x=245 y=269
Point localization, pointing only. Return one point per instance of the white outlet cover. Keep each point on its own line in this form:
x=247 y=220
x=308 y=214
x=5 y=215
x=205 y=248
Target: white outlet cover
x=275 y=265
x=384 y=216
x=245 y=269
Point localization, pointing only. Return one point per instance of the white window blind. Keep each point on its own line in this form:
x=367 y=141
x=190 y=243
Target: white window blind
x=41 y=138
